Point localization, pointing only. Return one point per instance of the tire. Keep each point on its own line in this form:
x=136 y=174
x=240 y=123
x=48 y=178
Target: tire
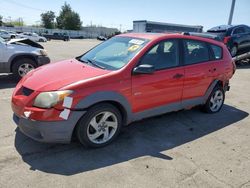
x=93 y=134
x=234 y=50
x=40 y=40
x=215 y=101
x=22 y=66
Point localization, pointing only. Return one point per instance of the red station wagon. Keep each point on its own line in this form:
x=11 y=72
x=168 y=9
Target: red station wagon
x=122 y=80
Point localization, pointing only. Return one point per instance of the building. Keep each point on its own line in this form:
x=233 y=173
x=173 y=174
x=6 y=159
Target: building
x=142 y=26
x=85 y=32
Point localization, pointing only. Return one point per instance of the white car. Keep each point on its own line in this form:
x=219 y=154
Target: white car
x=32 y=36
x=7 y=35
x=19 y=56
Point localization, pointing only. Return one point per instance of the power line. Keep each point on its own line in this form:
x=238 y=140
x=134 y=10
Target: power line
x=24 y=6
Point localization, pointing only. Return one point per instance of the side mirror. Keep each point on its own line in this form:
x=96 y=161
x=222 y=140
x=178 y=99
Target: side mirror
x=144 y=69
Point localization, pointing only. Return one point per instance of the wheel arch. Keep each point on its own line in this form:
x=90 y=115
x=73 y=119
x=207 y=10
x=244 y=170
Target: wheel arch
x=84 y=104
x=212 y=86
x=16 y=57
x=114 y=98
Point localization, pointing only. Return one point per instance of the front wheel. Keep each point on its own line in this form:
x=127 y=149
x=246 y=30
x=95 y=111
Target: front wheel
x=215 y=101
x=99 y=126
x=22 y=66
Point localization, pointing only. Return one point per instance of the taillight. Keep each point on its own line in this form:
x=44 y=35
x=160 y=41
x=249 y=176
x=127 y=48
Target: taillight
x=226 y=39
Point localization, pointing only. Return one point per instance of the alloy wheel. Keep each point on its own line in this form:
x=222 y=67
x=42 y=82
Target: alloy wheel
x=24 y=69
x=216 y=101
x=102 y=127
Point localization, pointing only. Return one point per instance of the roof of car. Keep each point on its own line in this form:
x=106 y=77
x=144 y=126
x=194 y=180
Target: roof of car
x=221 y=27
x=224 y=27
x=149 y=36
x=153 y=36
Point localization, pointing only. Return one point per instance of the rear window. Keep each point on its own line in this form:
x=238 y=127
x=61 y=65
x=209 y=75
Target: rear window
x=217 y=52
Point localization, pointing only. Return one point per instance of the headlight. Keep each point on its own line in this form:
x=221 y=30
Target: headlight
x=50 y=99
x=43 y=52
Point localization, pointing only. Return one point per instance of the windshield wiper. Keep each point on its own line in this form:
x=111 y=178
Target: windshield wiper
x=88 y=61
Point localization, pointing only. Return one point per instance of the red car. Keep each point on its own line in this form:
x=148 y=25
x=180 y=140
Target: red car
x=125 y=79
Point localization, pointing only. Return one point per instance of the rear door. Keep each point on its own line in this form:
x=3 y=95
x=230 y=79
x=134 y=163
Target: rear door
x=165 y=85
x=4 y=66
x=199 y=70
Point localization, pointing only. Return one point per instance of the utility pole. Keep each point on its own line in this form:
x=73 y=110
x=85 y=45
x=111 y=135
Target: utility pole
x=231 y=13
x=120 y=27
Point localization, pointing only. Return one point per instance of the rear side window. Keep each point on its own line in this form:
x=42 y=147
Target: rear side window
x=239 y=30
x=195 y=52
x=247 y=29
x=217 y=52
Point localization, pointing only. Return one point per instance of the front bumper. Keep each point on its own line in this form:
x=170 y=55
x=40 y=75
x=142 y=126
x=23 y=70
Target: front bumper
x=42 y=60
x=49 y=131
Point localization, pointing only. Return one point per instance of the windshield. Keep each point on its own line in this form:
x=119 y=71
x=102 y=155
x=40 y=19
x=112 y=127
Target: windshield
x=114 y=53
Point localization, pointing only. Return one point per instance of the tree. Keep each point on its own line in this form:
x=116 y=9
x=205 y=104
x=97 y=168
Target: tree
x=68 y=19
x=48 y=19
x=1 y=20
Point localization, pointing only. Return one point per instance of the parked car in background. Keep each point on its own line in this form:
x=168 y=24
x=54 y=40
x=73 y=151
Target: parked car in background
x=7 y=35
x=19 y=56
x=57 y=36
x=102 y=38
x=32 y=36
x=127 y=78
x=235 y=37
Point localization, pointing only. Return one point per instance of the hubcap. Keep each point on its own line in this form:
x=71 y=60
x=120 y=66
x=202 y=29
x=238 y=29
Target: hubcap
x=102 y=127
x=216 y=101
x=24 y=69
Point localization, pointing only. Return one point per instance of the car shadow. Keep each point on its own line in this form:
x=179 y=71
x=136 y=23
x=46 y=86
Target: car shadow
x=7 y=81
x=145 y=138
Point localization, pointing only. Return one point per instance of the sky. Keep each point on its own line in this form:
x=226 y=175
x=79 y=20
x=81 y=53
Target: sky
x=120 y=14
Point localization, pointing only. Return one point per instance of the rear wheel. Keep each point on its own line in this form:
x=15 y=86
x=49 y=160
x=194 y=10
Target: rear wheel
x=215 y=101
x=22 y=66
x=99 y=126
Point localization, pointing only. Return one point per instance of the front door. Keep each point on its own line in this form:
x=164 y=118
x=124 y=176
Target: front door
x=165 y=85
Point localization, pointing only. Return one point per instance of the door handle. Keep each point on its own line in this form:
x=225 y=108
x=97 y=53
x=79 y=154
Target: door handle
x=178 y=76
x=212 y=70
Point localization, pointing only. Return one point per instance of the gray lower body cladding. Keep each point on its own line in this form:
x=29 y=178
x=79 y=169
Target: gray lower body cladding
x=50 y=132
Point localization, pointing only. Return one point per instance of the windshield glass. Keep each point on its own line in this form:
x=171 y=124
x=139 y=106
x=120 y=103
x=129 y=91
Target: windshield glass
x=114 y=53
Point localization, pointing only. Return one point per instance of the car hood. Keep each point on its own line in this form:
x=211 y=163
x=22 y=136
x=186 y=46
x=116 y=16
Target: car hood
x=25 y=41
x=57 y=75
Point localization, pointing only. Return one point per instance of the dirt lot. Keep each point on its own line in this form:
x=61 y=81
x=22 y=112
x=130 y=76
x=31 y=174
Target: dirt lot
x=183 y=149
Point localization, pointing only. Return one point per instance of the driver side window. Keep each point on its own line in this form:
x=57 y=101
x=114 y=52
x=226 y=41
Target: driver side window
x=163 y=55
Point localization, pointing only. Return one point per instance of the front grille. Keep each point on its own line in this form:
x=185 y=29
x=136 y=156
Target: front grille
x=26 y=91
